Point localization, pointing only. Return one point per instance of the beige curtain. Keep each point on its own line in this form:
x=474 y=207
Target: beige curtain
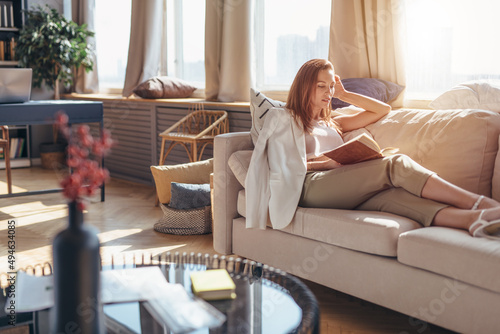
x=83 y=12
x=365 y=39
x=146 y=36
x=227 y=50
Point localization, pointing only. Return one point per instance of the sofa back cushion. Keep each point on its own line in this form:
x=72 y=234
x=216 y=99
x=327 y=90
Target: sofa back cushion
x=460 y=145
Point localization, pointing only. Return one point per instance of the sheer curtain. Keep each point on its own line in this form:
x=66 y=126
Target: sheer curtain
x=457 y=43
x=227 y=50
x=83 y=12
x=366 y=41
x=146 y=37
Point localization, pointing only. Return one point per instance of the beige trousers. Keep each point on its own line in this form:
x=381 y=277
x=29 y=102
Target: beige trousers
x=392 y=184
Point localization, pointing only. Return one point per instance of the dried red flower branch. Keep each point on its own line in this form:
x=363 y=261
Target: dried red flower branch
x=83 y=154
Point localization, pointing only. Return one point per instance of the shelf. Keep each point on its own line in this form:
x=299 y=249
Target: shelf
x=24 y=159
x=16 y=163
x=13 y=29
x=9 y=63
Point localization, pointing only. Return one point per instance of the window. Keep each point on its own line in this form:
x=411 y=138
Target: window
x=449 y=42
x=287 y=33
x=112 y=26
x=186 y=31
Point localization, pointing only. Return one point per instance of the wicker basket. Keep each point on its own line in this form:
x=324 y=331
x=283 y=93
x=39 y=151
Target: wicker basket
x=185 y=222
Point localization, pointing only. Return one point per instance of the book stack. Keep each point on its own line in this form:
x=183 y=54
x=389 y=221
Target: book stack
x=8 y=43
x=8 y=49
x=16 y=148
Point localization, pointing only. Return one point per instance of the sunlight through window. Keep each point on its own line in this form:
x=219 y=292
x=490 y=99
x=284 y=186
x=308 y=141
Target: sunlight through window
x=449 y=42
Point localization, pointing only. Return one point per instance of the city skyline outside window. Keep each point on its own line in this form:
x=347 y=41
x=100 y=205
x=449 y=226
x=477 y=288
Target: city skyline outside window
x=453 y=46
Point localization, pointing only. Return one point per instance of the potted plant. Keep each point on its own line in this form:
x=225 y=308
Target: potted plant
x=53 y=47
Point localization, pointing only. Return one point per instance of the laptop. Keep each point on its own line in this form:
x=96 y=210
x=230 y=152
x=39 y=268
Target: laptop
x=15 y=85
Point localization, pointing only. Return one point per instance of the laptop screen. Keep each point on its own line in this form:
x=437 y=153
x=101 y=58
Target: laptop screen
x=15 y=85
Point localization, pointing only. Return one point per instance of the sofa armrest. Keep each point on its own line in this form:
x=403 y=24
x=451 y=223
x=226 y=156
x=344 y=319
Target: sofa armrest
x=226 y=187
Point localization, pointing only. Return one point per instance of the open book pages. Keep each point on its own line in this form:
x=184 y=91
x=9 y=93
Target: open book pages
x=358 y=149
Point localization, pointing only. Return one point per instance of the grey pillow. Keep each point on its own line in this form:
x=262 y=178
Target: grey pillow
x=163 y=88
x=381 y=90
x=189 y=196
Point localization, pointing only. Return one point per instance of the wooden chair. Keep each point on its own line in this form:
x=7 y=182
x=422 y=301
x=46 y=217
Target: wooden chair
x=194 y=131
x=4 y=143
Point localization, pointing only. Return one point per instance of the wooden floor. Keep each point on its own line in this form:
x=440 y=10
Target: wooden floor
x=125 y=221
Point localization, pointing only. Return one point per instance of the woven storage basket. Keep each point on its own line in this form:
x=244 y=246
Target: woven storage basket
x=185 y=222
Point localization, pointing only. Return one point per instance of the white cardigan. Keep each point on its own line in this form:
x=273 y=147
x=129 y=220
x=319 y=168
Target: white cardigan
x=276 y=173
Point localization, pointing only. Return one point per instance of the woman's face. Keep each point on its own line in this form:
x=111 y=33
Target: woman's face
x=324 y=91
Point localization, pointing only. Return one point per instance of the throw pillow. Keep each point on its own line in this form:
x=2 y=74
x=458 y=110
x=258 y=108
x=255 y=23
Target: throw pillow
x=476 y=94
x=163 y=88
x=381 y=90
x=192 y=172
x=259 y=107
x=189 y=196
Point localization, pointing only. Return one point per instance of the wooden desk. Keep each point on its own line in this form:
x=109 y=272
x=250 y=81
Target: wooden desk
x=43 y=112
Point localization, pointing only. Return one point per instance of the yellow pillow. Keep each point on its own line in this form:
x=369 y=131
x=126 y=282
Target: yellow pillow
x=192 y=172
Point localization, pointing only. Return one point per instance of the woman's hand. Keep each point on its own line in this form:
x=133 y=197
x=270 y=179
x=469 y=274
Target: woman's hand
x=339 y=89
x=372 y=109
x=322 y=163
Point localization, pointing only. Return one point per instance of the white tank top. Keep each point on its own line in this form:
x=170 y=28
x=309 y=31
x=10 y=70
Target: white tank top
x=321 y=139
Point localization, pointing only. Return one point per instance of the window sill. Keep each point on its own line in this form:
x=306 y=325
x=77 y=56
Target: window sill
x=183 y=101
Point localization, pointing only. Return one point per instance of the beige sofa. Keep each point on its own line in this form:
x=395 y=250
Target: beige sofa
x=437 y=275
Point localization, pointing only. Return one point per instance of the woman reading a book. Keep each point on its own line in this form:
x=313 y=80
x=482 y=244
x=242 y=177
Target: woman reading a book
x=289 y=157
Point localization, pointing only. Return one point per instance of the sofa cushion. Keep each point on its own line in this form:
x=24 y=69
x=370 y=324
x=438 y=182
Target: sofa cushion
x=365 y=231
x=452 y=253
x=459 y=145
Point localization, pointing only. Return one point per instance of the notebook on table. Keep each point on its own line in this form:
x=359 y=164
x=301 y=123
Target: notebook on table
x=15 y=85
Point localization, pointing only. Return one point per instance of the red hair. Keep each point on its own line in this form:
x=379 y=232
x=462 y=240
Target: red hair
x=302 y=91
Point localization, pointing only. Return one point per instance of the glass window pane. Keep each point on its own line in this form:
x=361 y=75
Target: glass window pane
x=287 y=34
x=112 y=27
x=194 y=42
x=186 y=40
x=449 y=42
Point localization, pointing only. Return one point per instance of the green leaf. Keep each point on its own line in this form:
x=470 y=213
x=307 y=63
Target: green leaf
x=52 y=46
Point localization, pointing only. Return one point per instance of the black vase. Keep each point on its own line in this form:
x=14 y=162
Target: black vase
x=76 y=265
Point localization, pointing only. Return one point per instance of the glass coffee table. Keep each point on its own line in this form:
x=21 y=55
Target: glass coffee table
x=267 y=300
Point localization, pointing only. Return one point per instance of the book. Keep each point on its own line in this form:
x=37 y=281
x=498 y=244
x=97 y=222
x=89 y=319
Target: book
x=358 y=149
x=2 y=50
x=213 y=284
x=13 y=147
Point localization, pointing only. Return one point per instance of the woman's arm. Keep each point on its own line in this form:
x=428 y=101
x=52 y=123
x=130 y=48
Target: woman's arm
x=322 y=163
x=373 y=109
